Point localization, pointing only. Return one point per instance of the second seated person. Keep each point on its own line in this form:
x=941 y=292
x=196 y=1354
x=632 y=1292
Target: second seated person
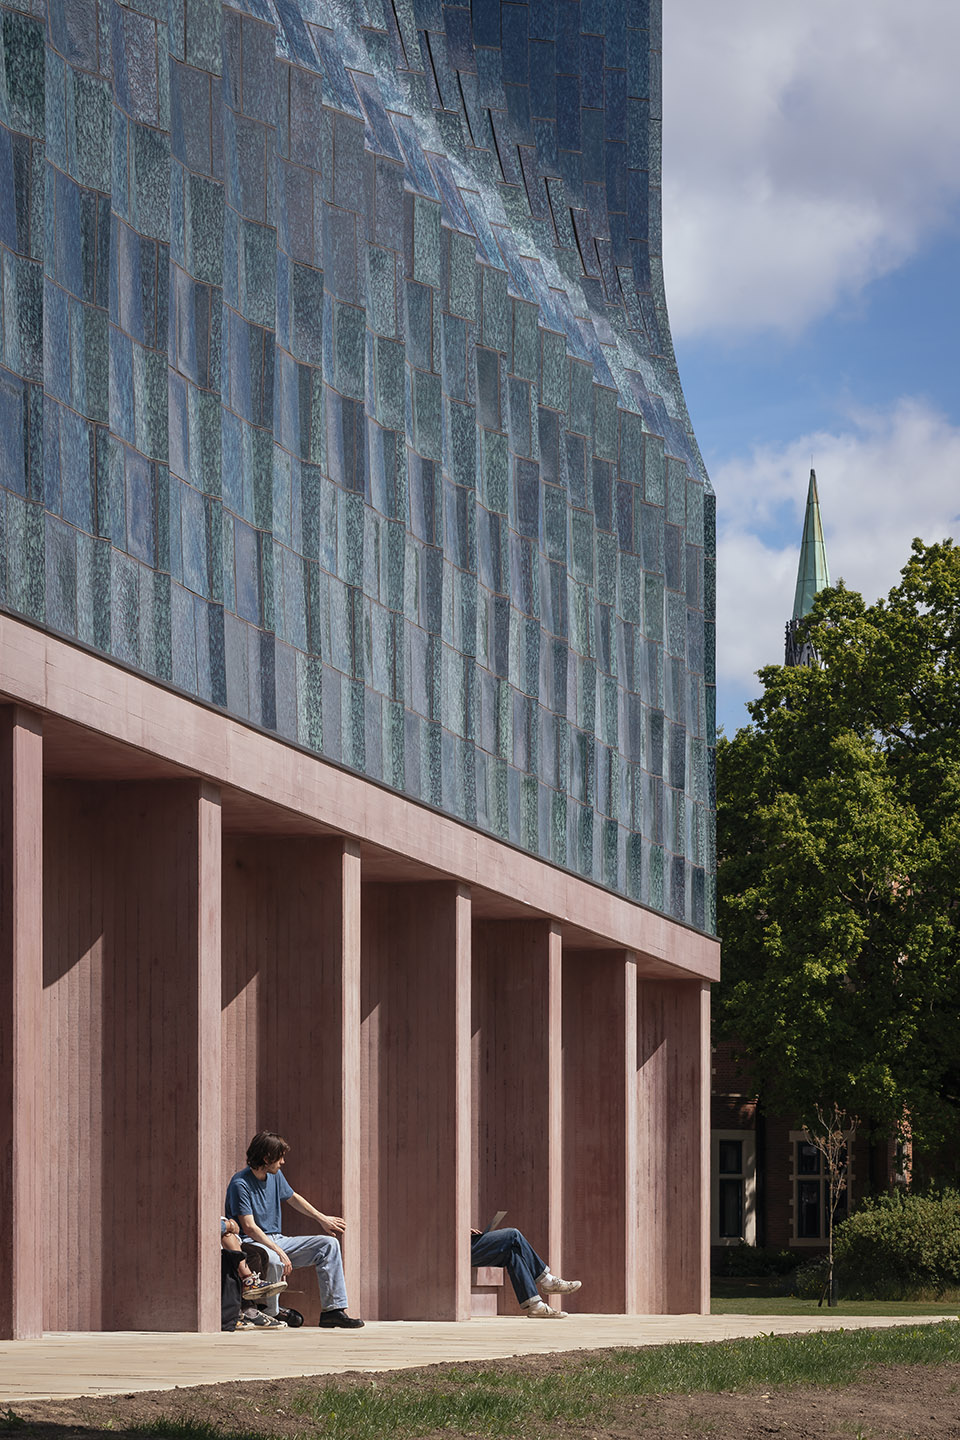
x=254 y=1197
x=528 y=1273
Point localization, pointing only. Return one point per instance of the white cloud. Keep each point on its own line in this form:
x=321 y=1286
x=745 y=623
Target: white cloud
x=885 y=477
x=808 y=148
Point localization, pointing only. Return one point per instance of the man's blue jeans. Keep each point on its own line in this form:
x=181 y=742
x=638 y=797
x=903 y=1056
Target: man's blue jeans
x=321 y=1251
x=517 y=1256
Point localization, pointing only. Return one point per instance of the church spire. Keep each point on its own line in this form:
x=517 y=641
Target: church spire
x=813 y=575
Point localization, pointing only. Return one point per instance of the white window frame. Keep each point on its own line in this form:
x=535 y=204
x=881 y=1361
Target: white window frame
x=748 y=1174
x=807 y=1241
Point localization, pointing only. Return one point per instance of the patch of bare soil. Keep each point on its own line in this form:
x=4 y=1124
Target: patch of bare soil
x=890 y=1403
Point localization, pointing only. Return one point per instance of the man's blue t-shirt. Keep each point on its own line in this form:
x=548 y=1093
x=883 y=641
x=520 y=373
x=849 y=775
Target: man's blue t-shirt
x=246 y=1195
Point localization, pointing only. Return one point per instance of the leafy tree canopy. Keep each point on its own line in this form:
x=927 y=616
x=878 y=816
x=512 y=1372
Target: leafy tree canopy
x=838 y=837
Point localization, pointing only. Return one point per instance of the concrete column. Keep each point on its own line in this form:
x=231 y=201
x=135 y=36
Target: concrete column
x=132 y=1037
x=207 y=968
x=599 y=1072
x=415 y=1039
x=674 y=1146
x=161 y=1057
x=291 y=1024
x=21 y=948
x=518 y=1083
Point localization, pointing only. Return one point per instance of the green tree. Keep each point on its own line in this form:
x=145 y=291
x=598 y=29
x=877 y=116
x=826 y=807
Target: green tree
x=838 y=835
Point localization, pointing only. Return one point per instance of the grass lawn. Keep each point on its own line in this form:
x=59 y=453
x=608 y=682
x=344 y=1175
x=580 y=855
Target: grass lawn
x=764 y=1295
x=516 y=1401
x=791 y=1305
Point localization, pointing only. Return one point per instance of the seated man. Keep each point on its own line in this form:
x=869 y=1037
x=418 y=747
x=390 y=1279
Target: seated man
x=254 y=1196
x=526 y=1270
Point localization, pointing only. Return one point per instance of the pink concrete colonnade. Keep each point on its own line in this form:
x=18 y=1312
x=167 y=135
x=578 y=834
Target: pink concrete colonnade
x=183 y=963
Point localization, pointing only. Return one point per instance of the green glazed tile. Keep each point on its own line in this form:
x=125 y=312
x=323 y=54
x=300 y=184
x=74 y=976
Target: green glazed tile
x=258 y=273
x=150 y=392
x=308 y=313
x=654 y=470
x=349 y=348
x=90 y=361
x=526 y=340
x=605 y=423
x=520 y=424
x=390 y=376
x=631 y=447
x=555 y=521
x=150 y=181
x=427 y=414
x=91 y=106
x=581 y=399
x=676 y=492
x=582 y=546
x=553 y=373
x=204 y=229
x=202 y=35
x=607 y=555
x=23 y=69
x=382 y=290
x=463 y=276
x=695 y=515
x=496 y=310
x=496 y=471
x=653 y=607
x=463 y=445
x=419 y=325
x=426 y=241
x=205 y=434
x=61 y=576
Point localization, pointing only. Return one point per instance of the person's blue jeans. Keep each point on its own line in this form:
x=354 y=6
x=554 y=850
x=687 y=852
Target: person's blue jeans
x=321 y=1251
x=517 y=1256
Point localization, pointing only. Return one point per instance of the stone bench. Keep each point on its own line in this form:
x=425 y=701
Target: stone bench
x=486 y=1283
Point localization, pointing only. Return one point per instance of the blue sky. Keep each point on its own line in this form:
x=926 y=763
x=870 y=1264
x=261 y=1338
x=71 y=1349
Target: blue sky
x=811 y=197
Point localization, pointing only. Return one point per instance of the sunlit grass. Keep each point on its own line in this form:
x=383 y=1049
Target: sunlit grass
x=793 y=1305
x=507 y=1402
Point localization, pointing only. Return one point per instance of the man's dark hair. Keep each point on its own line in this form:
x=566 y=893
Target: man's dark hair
x=265 y=1148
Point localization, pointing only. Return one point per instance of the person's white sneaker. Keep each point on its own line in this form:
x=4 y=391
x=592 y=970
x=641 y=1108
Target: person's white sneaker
x=553 y=1285
x=539 y=1310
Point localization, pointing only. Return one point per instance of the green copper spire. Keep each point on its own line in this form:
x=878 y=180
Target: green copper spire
x=813 y=573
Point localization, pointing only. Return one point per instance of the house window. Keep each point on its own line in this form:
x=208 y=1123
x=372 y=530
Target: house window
x=730 y=1190
x=811 y=1200
x=811 y=1193
x=733 y=1219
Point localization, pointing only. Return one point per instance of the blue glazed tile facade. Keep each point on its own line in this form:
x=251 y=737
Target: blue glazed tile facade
x=337 y=389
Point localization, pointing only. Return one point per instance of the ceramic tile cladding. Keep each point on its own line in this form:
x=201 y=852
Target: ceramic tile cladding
x=336 y=389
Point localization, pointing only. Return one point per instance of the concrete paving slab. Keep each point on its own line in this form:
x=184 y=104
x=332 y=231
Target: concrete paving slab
x=65 y=1366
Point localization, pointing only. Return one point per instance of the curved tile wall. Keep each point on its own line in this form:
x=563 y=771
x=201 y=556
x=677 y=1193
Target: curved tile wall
x=337 y=390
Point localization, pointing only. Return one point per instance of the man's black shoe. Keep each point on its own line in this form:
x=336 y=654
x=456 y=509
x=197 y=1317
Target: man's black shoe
x=338 y=1319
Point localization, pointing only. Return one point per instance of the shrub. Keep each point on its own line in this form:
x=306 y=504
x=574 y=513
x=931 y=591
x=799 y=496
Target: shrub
x=895 y=1247
x=810 y=1278
x=749 y=1260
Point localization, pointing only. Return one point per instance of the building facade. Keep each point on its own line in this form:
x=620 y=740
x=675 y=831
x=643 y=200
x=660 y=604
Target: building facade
x=356 y=649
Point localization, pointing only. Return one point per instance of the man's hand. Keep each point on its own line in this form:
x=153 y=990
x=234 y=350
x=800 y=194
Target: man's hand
x=329 y=1224
x=284 y=1259
x=230 y=1227
x=251 y=1230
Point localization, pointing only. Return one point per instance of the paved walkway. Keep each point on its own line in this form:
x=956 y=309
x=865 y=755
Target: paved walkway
x=63 y=1366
